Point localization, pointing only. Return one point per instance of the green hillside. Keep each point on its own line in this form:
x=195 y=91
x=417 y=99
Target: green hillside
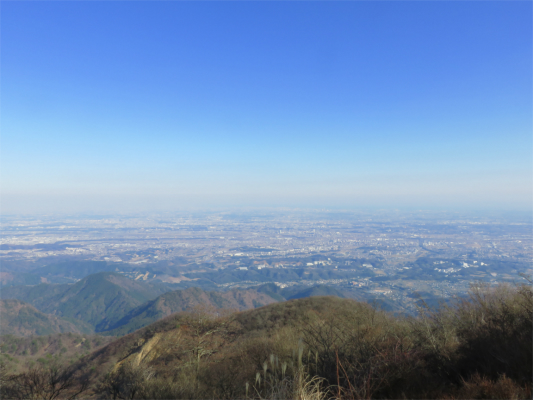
x=318 y=290
x=272 y=275
x=21 y=319
x=13 y=278
x=35 y=295
x=99 y=300
x=272 y=290
x=111 y=303
x=297 y=292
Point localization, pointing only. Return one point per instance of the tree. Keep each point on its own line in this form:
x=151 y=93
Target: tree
x=45 y=384
x=207 y=329
x=126 y=382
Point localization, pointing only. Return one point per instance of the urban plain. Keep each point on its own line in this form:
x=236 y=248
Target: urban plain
x=393 y=259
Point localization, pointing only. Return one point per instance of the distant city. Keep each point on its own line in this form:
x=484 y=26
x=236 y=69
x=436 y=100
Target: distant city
x=395 y=259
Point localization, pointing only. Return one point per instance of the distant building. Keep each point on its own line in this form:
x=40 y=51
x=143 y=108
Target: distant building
x=382 y=291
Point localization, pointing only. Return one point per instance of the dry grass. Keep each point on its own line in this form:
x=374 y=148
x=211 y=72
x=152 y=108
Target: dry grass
x=324 y=348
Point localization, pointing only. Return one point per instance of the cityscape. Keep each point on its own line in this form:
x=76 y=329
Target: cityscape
x=391 y=257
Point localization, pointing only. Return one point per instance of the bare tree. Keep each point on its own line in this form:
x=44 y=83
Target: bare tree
x=42 y=383
x=207 y=330
x=126 y=382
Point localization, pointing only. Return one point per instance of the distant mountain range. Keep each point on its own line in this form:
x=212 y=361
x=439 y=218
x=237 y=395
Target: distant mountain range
x=63 y=272
x=21 y=319
x=112 y=304
x=182 y=300
x=297 y=292
x=99 y=300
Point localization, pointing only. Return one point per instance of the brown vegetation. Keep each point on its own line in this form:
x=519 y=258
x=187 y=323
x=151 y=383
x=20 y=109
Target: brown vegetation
x=45 y=383
x=19 y=354
x=325 y=347
x=21 y=319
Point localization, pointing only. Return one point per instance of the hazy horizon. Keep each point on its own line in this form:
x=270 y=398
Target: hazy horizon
x=147 y=107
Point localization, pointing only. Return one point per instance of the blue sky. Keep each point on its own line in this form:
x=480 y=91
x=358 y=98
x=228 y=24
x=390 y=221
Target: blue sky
x=123 y=106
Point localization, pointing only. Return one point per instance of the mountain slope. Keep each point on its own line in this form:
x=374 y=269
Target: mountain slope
x=21 y=319
x=182 y=300
x=297 y=292
x=99 y=299
x=13 y=278
x=35 y=295
x=202 y=355
x=239 y=343
x=70 y=271
x=19 y=352
x=319 y=290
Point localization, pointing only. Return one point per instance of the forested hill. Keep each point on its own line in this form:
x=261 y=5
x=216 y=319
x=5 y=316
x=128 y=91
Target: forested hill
x=479 y=347
x=113 y=304
x=21 y=319
x=99 y=300
x=188 y=299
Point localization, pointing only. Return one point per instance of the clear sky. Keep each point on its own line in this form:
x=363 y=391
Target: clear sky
x=125 y=106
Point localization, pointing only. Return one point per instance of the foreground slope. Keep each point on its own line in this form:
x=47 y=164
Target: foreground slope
x=168 y=343
x=479 y=347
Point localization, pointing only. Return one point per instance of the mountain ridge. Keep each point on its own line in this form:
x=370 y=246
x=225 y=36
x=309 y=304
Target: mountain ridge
x=22 y=319
x=186 y=299
x=98 y=299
